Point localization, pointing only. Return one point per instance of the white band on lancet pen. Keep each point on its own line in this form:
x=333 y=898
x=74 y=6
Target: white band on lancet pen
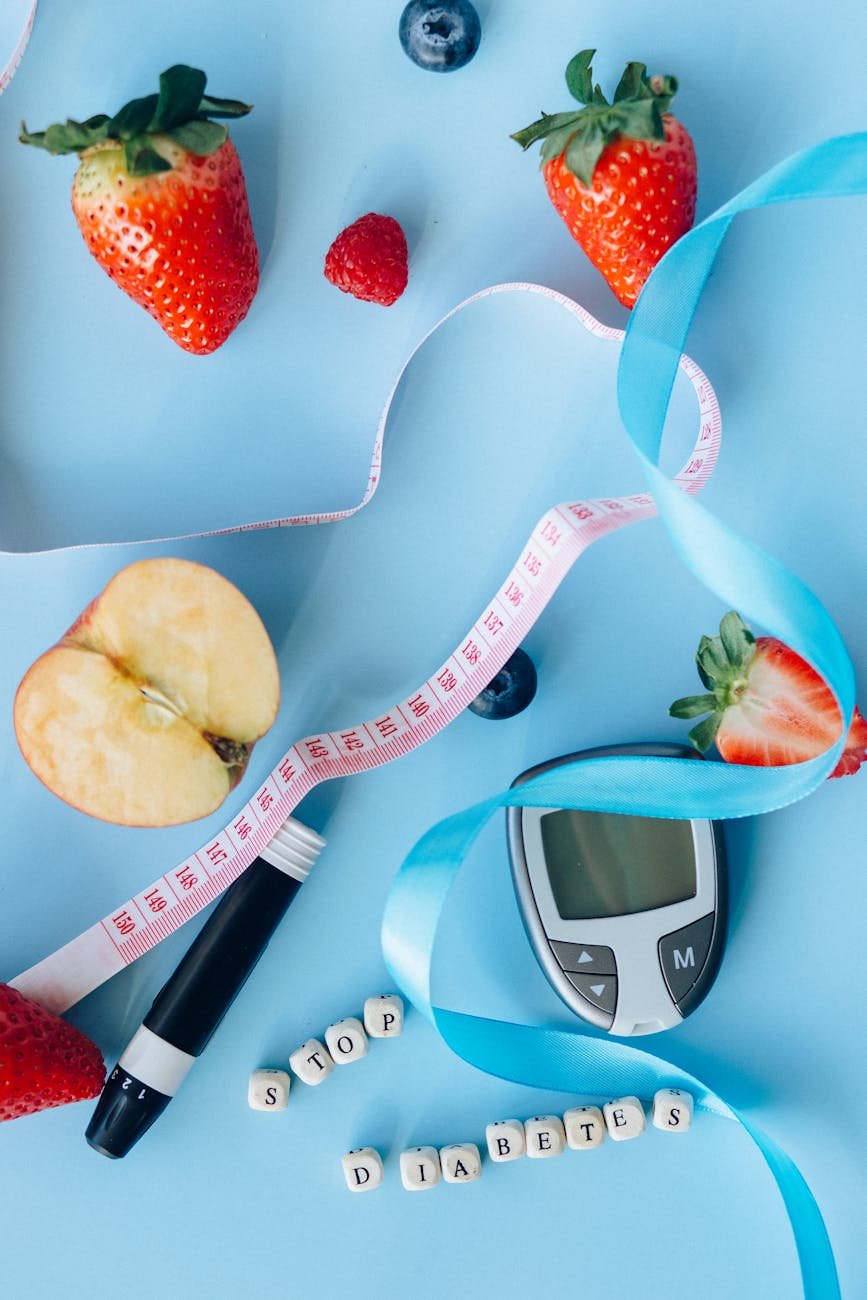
x=155 y=1062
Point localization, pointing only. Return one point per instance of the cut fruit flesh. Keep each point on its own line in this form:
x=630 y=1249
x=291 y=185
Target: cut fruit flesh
x=91 y=734
x=188 y=633
x=146 y=711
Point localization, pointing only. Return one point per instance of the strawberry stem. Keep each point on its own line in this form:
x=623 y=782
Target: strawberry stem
x=723 y=665
x=181 y=110
x=636 y=113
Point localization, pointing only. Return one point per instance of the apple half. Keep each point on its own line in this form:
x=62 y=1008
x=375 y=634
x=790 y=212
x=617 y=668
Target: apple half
x=145 y=713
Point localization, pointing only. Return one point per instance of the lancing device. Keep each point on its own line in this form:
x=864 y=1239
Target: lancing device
x=188 y=1009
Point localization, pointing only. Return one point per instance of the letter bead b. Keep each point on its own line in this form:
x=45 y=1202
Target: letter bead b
x=505 y=1139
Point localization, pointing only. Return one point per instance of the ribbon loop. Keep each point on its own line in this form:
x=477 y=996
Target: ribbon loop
x=745 y=578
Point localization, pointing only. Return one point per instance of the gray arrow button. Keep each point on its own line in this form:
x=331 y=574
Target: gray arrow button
x=588 y=958
x=599 y=990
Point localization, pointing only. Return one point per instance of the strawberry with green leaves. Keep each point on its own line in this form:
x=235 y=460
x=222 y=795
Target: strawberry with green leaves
x=766 y=705
x=621 y=175
x=160 y=199
x=44 y=1061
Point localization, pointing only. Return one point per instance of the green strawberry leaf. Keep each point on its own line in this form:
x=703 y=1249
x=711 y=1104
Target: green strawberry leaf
x=631 y=83
x=142 y=159
x=543 y=126
x=706 y=679
x=711 y=656
x=98 y=124
x=557 y=142
x=36 y=138
x=133 y=119
x=213 y=107
x=579 y=76
x=737 y=640
x=180 y=110
x=582 y=153
x=703 y=735
x=180 y=97
x=642 y=119
x=200 y=138
x=693 y=706
x=637 y=112
x=67 y=137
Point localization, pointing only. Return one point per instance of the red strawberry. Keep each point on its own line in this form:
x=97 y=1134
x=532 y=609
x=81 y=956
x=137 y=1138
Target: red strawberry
x=43 y=1060
x=160 y=198
x=369 y=260
x=767 y=706
x=621 y=175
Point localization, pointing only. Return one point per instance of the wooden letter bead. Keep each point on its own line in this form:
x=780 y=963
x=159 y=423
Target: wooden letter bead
x=346 y=1041
x=419 y=1168
x=268 y=1090
x=505 y=1139
x=460 y=1162
x=624 y=1118
x=311 y=1062
x=383 y=1015
x=362 y=1169
x=545 y=1136
x=585 y=1127
x=672 y=1110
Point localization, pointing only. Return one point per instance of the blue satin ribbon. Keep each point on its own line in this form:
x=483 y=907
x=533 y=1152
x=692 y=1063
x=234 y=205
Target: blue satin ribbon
x=745 y=578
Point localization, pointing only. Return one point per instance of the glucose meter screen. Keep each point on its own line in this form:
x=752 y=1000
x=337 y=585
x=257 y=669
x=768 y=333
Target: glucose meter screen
x=604 y=864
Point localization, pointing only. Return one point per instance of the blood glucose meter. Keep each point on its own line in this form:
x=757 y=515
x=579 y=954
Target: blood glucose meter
x=626 y=914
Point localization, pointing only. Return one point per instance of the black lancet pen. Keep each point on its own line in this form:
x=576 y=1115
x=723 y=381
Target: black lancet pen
x=190 y=1006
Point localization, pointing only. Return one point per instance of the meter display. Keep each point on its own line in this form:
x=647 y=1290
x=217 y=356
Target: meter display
x=601 y=864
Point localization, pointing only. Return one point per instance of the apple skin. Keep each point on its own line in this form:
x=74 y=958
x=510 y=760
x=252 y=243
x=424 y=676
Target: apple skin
x=146 y=711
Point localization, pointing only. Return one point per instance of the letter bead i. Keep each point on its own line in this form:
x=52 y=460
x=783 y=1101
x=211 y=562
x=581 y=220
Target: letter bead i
x=419 y=1168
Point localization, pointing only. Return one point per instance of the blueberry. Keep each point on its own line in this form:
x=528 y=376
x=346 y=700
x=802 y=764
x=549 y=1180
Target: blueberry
x=440 y=38
x=510 y=691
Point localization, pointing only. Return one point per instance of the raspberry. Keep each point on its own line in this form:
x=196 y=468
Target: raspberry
x=369 y=260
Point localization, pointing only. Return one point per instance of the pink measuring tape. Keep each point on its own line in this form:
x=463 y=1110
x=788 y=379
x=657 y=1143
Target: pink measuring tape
x=562 y=534
x=10 y=67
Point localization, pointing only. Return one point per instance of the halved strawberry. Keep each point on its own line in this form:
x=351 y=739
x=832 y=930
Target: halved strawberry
x=160 y=199
x=44 y=1061
x=767 y=707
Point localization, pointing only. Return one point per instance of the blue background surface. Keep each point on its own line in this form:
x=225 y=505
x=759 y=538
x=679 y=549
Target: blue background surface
x=109 y=432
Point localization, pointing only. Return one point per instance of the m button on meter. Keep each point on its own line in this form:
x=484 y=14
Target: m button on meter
x=682 y=956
